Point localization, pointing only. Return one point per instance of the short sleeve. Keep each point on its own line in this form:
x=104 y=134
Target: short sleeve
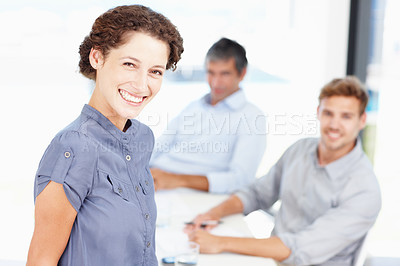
x=68 y=160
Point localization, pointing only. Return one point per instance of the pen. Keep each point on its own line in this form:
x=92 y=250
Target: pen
x=205 y=223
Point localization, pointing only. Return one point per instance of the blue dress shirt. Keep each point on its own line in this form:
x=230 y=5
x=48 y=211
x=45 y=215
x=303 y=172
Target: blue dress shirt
x=106 y=178
x=325 y=210
x=224 y=142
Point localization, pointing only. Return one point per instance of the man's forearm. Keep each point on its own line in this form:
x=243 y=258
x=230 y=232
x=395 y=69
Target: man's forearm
x=230 y=206
x=269 y=247
x=194 y=181
x=168 y=180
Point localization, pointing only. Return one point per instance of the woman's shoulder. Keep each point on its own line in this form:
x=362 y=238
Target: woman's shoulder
x=70 y=143
x=74 y=137
x=70 y=137
x=76 y=133
x=67 y=148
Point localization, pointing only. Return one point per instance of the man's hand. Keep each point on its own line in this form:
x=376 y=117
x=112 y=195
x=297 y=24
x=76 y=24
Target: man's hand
x=200 y=221
x=165 y=180
x=272 y=247
x=209 y=244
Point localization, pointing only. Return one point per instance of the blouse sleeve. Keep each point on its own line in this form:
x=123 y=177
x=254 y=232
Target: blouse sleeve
x=68 y=160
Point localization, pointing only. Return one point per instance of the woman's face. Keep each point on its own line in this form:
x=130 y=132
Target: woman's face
x=129 y=77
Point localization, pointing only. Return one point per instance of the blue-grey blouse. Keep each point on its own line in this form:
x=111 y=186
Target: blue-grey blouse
x=106 y=178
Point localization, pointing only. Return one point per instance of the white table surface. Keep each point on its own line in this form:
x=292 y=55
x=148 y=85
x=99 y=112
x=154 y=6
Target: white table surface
x=175 y=207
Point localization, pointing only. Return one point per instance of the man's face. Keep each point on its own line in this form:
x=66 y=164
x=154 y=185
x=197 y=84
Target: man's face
x=223 y=78
x=340 y=123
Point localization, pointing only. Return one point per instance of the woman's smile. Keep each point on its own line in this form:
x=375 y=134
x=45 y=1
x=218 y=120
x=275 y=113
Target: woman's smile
x=130 y=98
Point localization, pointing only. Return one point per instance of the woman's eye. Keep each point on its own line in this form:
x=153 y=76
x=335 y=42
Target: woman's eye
x=128 y=64
x=157 y=72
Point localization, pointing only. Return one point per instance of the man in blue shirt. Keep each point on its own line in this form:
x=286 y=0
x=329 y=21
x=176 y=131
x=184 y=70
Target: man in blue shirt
x=329 y=194
x=217 y=142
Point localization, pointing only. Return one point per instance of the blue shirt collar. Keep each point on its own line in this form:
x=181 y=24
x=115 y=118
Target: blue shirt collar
x=234 y=101
x=108 y=125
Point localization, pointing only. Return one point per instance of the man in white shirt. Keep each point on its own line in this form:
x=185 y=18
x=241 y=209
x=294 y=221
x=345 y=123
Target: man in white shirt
x=217 y=142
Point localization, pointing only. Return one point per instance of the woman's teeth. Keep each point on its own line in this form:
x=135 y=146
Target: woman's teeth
x=130 y=98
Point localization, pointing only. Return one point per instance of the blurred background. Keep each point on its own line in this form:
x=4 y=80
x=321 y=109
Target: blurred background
x=294 y=47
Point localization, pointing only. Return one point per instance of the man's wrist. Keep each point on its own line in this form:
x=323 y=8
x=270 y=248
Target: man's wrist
x=190 y=181
x=180 y=179
x=223 y=243
x=215 y=214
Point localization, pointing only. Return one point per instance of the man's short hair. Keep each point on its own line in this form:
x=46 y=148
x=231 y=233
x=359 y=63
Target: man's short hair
x=349 y=86
x=224 y=49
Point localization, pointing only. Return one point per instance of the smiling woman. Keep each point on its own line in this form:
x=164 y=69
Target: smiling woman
x=129 y=78
x=91 y=178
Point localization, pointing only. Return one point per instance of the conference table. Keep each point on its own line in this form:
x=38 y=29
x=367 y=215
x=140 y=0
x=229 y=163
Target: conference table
x=175 y=207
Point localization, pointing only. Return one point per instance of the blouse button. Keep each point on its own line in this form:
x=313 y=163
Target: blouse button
x=137 y=188
x=128 y=157
x=147 y=216
x=146 y=182
x=67 y=154
x=148 y=244
x=120 y=190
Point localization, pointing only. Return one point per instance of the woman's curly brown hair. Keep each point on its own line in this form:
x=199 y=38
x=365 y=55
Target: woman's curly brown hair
x=109 y=30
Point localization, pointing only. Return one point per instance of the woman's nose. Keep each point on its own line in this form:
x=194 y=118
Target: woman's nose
x=140 y=80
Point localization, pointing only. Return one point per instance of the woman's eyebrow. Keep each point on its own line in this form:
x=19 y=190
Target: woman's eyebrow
x=131 y=57
x=137 y=60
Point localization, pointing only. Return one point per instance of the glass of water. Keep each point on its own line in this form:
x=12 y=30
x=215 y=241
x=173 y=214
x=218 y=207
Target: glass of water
x=188 y=254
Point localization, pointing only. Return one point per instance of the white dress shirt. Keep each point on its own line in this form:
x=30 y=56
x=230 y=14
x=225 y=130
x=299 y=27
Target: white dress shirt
x=224 y=142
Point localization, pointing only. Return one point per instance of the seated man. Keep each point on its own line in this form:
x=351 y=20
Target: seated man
x=329 y=194
x=217 y=142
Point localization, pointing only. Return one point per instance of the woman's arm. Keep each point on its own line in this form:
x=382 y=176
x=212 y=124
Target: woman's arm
x=54 y=217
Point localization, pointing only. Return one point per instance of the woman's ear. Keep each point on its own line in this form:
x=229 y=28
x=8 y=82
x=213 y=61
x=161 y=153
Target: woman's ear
x=96 y=58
